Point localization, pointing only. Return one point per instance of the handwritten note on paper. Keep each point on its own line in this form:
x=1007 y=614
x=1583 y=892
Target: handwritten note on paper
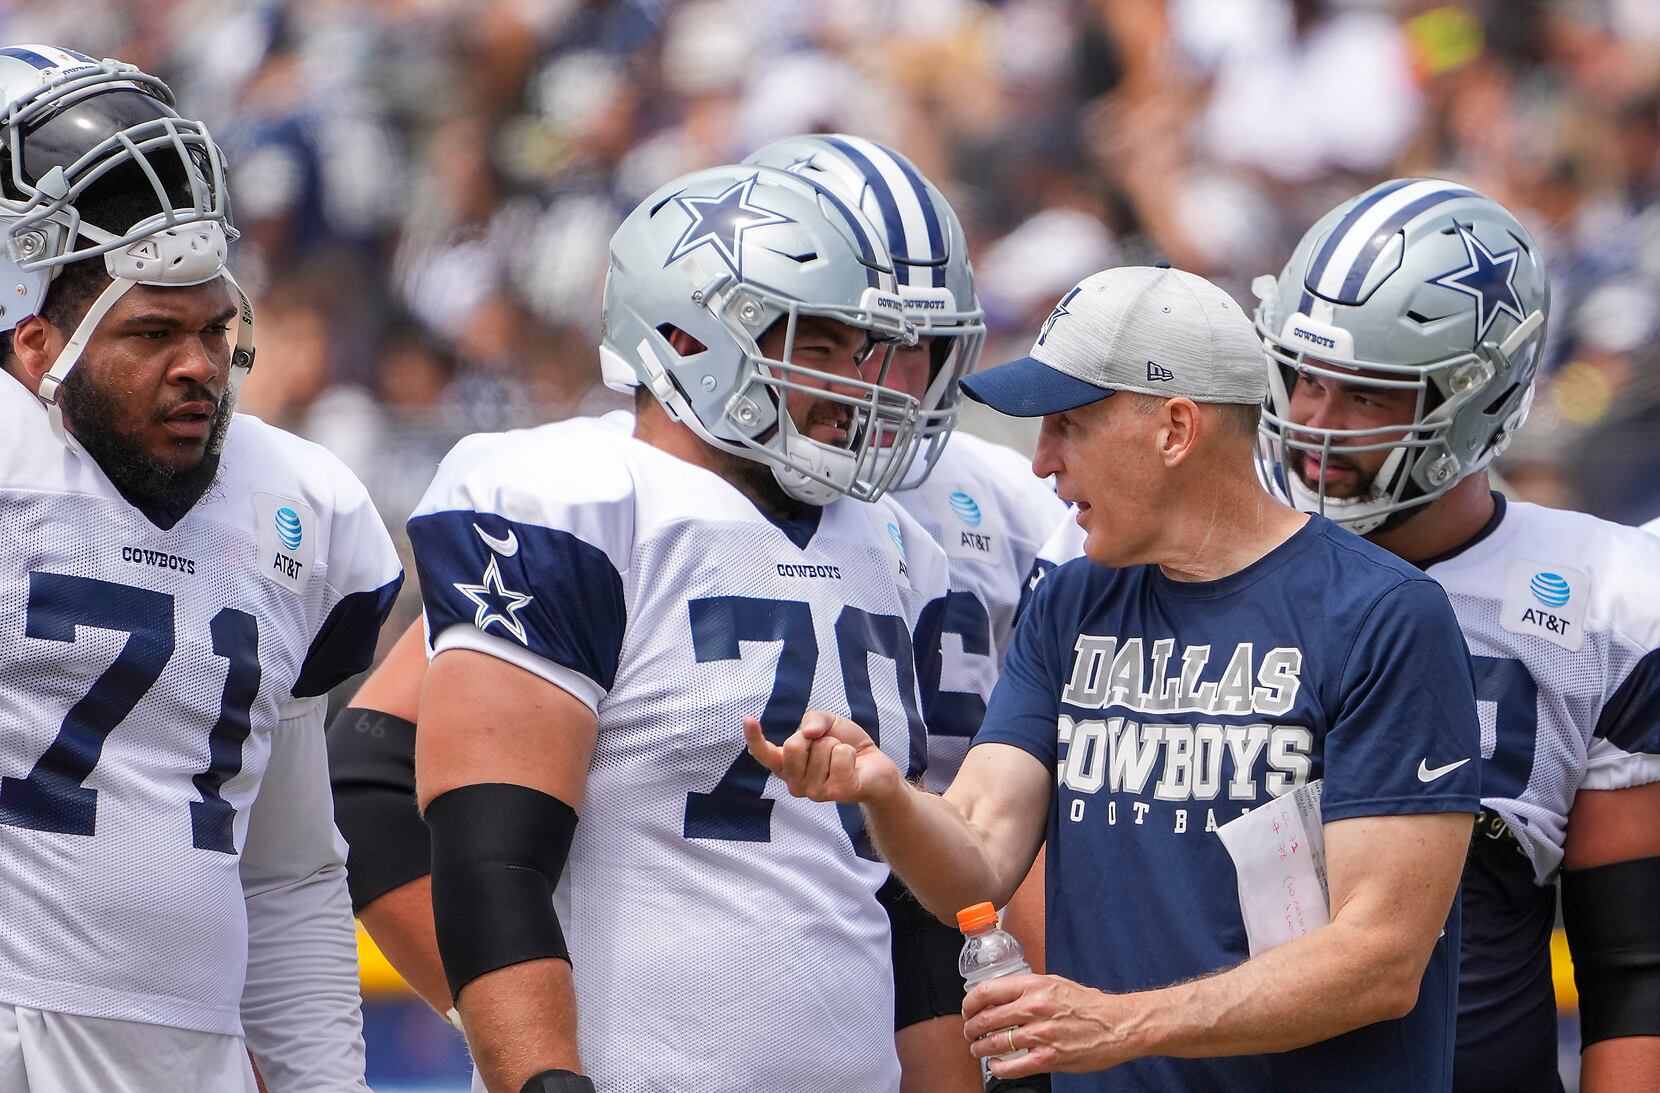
x=1279 y=855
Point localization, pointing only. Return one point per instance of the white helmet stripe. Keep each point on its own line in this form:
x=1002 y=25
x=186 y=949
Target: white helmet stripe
x=1361 y=231
x=908 y=201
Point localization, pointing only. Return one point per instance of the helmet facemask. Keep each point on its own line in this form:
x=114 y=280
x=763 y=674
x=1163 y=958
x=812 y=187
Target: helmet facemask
x=1423 y=463
x=97 y=164
x=930 y=264
x=883 y=424
x=1420 y=286
x=959 y=337
x=728 y=255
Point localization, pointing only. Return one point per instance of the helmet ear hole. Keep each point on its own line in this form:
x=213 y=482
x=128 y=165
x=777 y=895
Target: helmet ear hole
x=680 y=341
x=1498 y=404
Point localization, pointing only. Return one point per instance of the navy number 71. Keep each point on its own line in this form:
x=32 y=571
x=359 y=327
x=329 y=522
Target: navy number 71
x=52 y=797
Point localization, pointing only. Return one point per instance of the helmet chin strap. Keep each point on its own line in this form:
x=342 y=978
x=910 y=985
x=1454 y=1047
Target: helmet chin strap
x=52 y=381
x=819 y=458
x=1360 y=515
x=191 y=255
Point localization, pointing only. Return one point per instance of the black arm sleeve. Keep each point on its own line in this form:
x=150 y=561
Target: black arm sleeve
x=1614 y=932
x=372 y=768
x=498 y=851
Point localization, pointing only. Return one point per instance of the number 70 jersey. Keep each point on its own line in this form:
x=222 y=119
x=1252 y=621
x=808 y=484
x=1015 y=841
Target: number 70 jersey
x=723 y=934
x=144 y=671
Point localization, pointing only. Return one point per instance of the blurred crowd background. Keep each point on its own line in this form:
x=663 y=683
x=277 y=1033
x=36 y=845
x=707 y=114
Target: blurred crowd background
x=426 y=188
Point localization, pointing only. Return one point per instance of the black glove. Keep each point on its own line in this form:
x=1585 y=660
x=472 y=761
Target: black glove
x=563 y=1081
x=1032 y=1083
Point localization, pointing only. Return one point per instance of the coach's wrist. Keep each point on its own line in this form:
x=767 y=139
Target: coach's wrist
x=886 y=792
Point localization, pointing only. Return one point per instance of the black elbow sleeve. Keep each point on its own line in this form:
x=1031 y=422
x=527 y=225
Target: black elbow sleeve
x=1614 y=931
x=498 y=851
x=372 y=771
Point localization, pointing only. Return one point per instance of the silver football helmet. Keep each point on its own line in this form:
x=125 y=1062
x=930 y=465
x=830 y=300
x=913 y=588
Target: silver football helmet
x=722 y=255
x=930 y=261
x=1419 y=285
x=95 y=162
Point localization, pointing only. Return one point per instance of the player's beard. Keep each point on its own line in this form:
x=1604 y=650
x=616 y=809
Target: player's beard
x=755 y=480
x=1367 y=485
x=141 y=477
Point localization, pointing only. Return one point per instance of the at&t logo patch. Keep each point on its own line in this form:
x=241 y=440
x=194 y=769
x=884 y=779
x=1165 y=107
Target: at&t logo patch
x=1546 y=601
x=287 y=545
x=898 y=540
x=965 y=526
x=1550 y=590
x=290 y=531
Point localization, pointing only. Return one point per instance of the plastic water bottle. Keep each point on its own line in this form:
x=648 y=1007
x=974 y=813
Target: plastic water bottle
x=989 y=952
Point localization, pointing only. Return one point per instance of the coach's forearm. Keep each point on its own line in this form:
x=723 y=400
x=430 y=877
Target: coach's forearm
x=520 y=1021
x=941 y=857
x=1328 y=982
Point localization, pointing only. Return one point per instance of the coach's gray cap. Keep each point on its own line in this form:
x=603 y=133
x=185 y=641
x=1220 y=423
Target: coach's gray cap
x=1150 y=329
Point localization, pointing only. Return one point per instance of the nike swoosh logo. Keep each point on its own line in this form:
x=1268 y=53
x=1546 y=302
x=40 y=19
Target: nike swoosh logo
x=1426 y=773
x=505 y=547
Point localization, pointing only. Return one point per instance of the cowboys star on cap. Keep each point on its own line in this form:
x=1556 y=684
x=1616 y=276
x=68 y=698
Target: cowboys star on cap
x=1489 y=278
x=1060 y=309
x=496 y=602
x=720 y=222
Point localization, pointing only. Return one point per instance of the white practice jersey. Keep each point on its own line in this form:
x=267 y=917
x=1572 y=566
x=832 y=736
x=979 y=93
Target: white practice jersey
x=983 y=505
x=723 y=934
x=1653 y=526
x=1065 y=542
x=143 y=673
x=1562 y=614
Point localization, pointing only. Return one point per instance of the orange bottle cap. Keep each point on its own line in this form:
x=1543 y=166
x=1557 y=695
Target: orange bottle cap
x=977 y=917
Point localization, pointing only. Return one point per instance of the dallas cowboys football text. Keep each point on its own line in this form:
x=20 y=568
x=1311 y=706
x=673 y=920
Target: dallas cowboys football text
x=1179 y=761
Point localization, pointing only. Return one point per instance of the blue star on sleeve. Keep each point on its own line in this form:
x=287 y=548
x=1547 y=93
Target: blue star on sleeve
x=496 y=603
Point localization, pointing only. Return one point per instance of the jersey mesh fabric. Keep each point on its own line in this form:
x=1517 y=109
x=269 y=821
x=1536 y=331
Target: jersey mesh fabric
x=1539 y=704
x=1621 y=624
x=985 y=508
x=712 y=946
x=133 y=921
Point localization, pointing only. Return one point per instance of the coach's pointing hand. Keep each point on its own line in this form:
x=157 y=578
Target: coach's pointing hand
x=829 y=758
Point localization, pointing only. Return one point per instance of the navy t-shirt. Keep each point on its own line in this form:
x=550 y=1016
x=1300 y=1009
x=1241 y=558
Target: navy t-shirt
x=1168 y=708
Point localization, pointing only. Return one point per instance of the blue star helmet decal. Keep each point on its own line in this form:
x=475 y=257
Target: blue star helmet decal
x=496 y=602
x=1060 y=309
x=1489 y=278
x=720 y=222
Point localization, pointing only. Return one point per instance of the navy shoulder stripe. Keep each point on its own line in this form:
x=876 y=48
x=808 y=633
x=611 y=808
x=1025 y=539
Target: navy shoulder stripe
x=345 y=643
x=555 y=594
x=1631 y=718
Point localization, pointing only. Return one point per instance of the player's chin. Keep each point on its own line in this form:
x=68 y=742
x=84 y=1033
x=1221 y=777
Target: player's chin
x=180 y=453
x=1344 y=486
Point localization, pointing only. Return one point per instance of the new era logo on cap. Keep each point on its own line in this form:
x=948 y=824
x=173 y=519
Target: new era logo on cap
x=1158 y=373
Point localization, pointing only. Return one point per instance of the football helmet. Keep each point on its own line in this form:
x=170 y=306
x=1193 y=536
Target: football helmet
x=95 y=162
x=1419 y=285
x=723 y=254
x=930 y=262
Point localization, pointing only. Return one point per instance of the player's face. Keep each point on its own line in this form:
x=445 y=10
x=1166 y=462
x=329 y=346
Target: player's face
x=1104 y=459
x=1322 y=402
x=147 y=398
x=912 y=368
x=834 y=348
